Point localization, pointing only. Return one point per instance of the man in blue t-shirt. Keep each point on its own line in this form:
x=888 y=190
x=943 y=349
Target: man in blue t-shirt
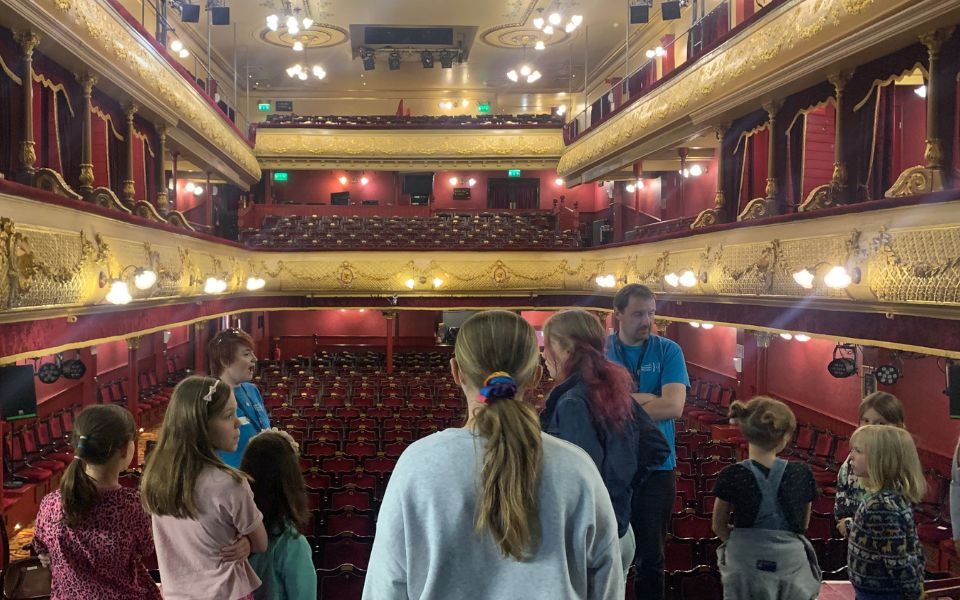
x=660 y=384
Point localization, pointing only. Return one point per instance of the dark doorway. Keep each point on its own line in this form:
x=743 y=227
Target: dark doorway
x=513 y=193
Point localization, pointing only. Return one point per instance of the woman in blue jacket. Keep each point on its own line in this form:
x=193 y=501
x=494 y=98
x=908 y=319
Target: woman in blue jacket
x=592 y=408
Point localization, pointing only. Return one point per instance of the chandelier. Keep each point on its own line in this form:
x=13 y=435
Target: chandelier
x=301 y=72
x=555 y=19
x=526 y=72
x=292 y=23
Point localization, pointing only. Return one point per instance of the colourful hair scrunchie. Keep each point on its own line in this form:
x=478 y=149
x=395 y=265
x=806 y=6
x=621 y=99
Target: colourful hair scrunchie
x=496 y=386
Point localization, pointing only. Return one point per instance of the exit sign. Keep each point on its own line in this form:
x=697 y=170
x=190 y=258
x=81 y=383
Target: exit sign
x=263 y=106
x=513 y=173
x=281 y=176
x=483 y=107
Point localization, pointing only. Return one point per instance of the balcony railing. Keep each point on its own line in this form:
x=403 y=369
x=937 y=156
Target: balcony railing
x=673 y=56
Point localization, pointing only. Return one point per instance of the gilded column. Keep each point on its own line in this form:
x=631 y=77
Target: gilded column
x=929 y=178
x=835 y=192
x=28 y=41
x=87 y=178
x=163 y=204
x=717 y=214
x=766 y=206
x=129 y=191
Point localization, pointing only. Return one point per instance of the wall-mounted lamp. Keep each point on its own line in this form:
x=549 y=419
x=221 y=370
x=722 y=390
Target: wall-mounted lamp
x=255 y=283
x=342 y=179
x=606 y=281
x=687 y=278
x=214 y=285
x=838 y=277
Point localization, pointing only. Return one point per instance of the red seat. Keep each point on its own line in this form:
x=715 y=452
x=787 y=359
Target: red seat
x=346 y=581
x=345 y=549
x=338 y=464
x=360 y=449
x=691 y=527
x=679 y=554
x=350 y=497
x=320 y=449
x=347 y=520
x=380 y=465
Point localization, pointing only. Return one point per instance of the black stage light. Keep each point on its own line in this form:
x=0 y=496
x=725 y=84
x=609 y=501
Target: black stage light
x=887 y=374
x=671 y=10
x=426 y=59
x=369 y=59
x=953 y=389
x=842 y=366
x=394 y=61
x=220 y=15
x=446 y=59
x=190 y=13
x=639 y=14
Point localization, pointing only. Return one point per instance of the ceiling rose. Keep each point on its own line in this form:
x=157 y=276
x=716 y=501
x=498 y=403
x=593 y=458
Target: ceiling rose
x=320 y=35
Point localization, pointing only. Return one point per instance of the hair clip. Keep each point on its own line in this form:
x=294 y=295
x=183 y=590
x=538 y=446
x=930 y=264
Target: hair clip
x=210 y=392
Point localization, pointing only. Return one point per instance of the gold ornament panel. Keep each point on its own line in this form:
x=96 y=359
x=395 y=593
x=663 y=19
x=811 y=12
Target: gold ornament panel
x=908 y=257
x=805 y=26
x=102 y=30
x=398 y=144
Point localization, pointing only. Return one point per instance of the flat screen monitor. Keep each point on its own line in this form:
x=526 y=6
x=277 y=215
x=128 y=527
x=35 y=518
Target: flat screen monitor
x=340 y=198
x=18 y=393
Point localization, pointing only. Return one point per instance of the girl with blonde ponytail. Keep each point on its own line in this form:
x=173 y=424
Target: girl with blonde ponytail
x=496 y=509
x=92 y=532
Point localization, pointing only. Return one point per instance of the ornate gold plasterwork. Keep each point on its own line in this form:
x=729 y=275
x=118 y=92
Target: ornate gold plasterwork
x=907 y=257
x=766 y=47
x=51 y=181
x=319 y=35
x=105 y=32
x=405 y=144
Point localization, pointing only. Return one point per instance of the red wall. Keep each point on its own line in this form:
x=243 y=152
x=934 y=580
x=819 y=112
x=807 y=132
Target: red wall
x=818 y=148
x=315 y=187
x=711 y=349
x=910 y=118
x=111 y=356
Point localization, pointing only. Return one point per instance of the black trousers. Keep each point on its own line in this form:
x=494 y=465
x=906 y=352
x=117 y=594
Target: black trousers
x=650 y=517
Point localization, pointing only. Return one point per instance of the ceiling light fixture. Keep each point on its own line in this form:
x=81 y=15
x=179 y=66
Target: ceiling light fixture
x=176 y=45
x=446 y=59
x=426 y=59
x=539 y=45
x=471 y=182
x=802 y=337
x=318 y=72
x=558 y=181
x=369 y=59
x=342 y=179
x=707 y=326
x=273 y=22
x=454 y=181
x=298 y=46
x=657 y=52
x=307 y=22
x=393 y=61
x=786 y=336
x=197 y=190
x=631 y=188
x=556 y=18
x=364 y=180
x=189 y=187
x=695 y=324
x=293 y=28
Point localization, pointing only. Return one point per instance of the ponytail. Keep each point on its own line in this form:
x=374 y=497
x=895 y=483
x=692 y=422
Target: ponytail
x=503 y=344
x=513 y=454
x=99 y=432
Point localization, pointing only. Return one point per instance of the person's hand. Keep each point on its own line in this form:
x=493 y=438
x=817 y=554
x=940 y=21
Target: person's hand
x=238 y=550
x=842 y=527
x=44 y=560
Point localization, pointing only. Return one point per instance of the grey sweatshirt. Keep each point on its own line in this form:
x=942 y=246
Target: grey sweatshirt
x=427 y=548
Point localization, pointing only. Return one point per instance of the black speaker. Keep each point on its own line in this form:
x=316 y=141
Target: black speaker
x=671 y=10
x=639 y=14
x=953 y=389
x=190 y=13
x=220 y=15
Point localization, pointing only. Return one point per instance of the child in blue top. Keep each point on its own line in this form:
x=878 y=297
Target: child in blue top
x=231 y=358
x=286 y=568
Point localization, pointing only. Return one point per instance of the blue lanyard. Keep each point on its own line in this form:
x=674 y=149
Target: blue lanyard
x=242 y=405
x=635 y=371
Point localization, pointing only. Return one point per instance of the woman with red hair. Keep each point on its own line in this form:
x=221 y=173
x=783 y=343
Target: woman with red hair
x=592 y=408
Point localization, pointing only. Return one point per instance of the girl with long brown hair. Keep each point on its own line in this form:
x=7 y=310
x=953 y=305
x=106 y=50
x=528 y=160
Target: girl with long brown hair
x=205 y=521
x=496 y=509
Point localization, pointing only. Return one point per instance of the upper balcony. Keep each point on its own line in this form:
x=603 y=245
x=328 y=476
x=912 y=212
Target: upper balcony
x=726 y=66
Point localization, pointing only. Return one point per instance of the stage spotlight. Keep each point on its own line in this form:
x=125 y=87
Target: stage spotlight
x=426 y=59
x=369 y=60
x=671 y=10
x=639 y=14
x=446 y=59
x=220 y=15
x=190 y=13
x=394 y=61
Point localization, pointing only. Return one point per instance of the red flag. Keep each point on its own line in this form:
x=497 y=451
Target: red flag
x=400 y=108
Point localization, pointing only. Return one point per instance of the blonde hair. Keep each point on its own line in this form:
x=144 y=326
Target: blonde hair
x=765 y=422
x=183 y=449
x=884 y=404
x=488 y=342
x=892 y=461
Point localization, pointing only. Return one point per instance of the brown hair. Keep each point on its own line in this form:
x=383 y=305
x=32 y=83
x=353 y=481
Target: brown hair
x=99 y=432
x=491 y=341
x=278 y=487
x=622 y=298
x=886 y=405
x=892 y=461
x=765 y=422
x=222 y=349
x=183 y=448
x=608 y=384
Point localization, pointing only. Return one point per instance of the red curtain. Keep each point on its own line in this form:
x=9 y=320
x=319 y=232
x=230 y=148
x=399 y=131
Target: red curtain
x=753 y=183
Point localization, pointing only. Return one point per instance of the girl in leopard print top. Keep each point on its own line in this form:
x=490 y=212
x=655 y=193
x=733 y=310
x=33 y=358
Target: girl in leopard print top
x=92 y=532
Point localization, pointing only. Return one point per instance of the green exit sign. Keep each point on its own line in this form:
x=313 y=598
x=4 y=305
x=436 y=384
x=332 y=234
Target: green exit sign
x=483 y=107
x=281 y=176
x=263 y=106
x=513 y=173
